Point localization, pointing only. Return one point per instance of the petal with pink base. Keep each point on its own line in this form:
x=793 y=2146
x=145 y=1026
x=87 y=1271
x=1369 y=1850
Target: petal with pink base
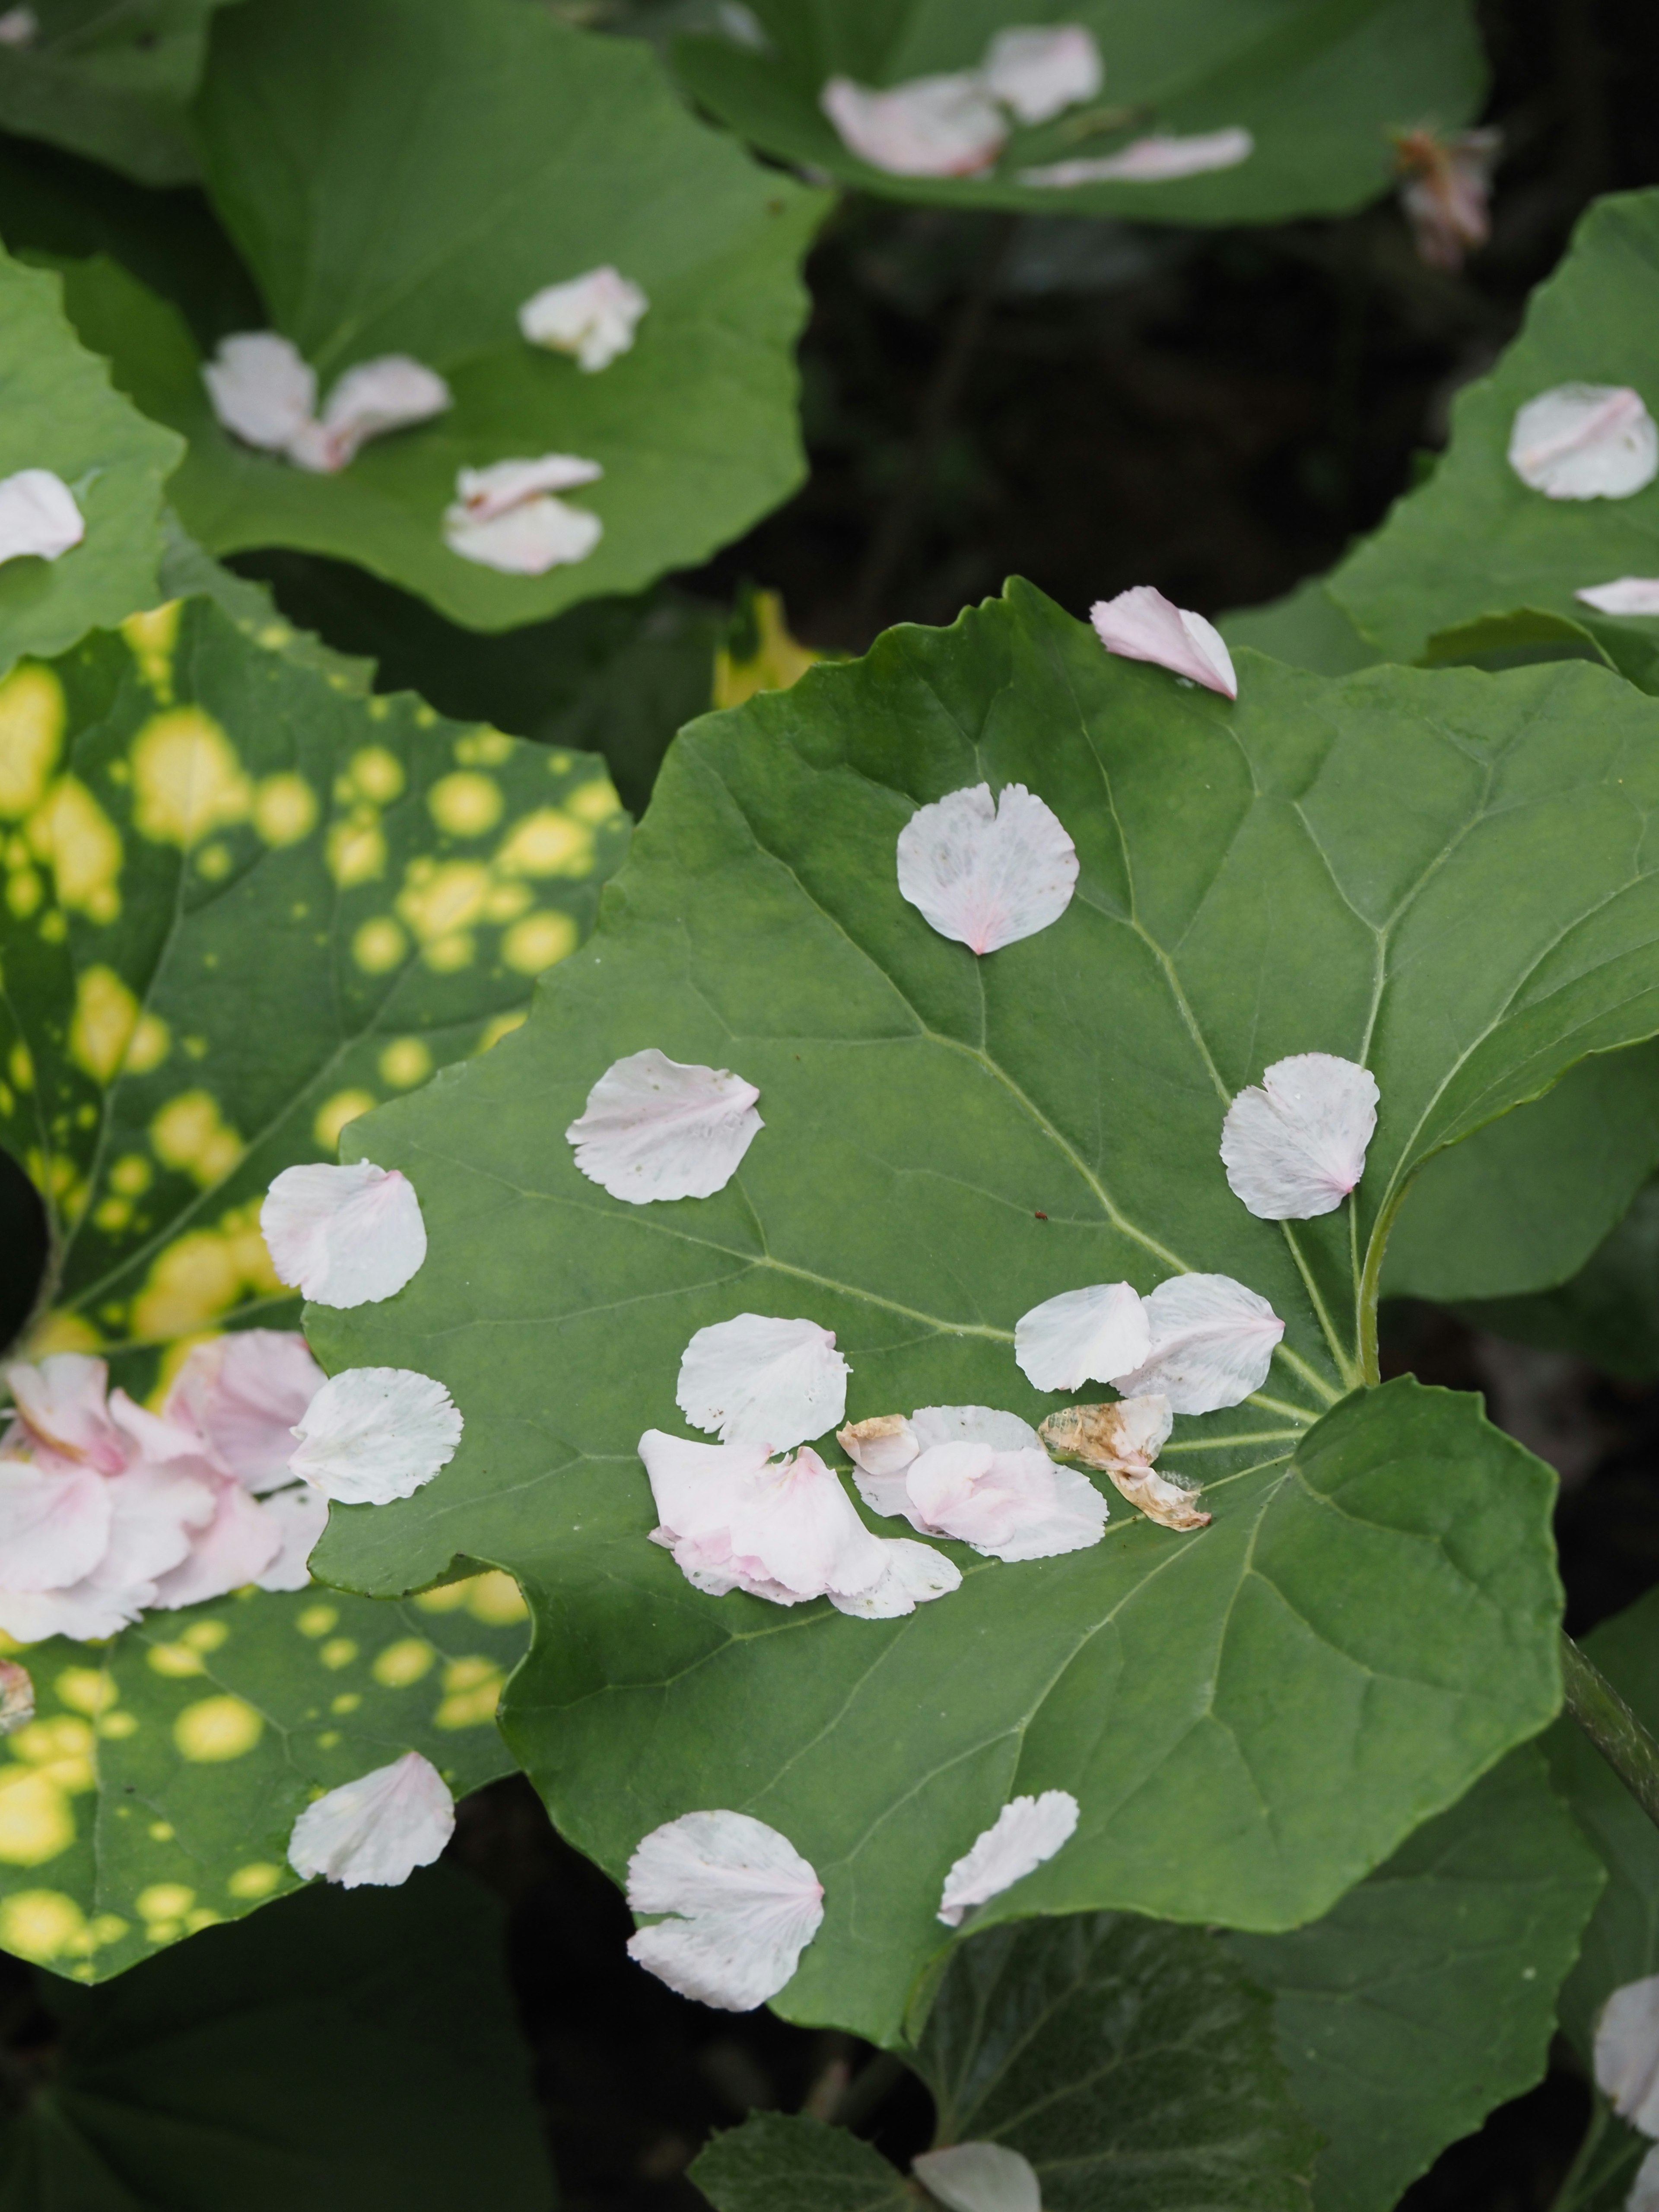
x=931 y=126
x=242 y=1395
x=1025 y=1832
x=1294 y=1146
x=1213 y=1343
x=63 y=1403
x=344 y=1236
x=1143 y=625
x=378 y=1829
x=1585 y=441
x=986 y=872
x=746 y=1905
x=54 y=1524
x=232 y=1550
x=655 y=1129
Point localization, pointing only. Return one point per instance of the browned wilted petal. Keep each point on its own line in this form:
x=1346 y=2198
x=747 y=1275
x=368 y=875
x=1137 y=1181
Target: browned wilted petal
x=17 y=1695
x=1122 y=1440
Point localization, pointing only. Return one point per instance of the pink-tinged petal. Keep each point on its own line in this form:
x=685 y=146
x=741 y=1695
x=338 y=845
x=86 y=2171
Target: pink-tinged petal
x=481 y=495
x=1213 y=1343
x=1038 y=71
x=525 y=540
x=83 y=1613
x=933 y=126
x=1625 y=595
x=261 y=388
x=1122 y=1440
x=38 y=518
x=54 y=1524
x=1082 y=1336
x=979 y=2176
x=591 y=317
x=882 y=1447
x=735 y=1520
x=1161 y=159
x=1025 y=1832
x=659 y=1128
x=234 y=1549
x=915 y=1574
x=759 y=1380
x=371 y=1434
x=1294 y=1146
x=1627 y=2053
x=882 y=1450
x=377 y=1829
x=392 y=393
x=18 y=27
x=1009 y=1505
x=347 y=1235
x=241 y=1395
x=748 y=1905
x=64 y=1405
x=1645 y=2189
x=157 y=1514
x=987 y=874
x=300 y=1515
x=154 y=1441
x=1143 y=625
x=1585 y=441
x=1445 y=188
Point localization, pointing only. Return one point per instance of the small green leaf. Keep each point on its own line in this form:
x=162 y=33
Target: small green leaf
x=774 y=2163
x=57 y=411
x=112 y=84
x=350 y=2053
x=1427 y=1997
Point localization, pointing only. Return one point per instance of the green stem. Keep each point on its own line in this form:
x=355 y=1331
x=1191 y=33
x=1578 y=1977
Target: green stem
x=1611 y=1727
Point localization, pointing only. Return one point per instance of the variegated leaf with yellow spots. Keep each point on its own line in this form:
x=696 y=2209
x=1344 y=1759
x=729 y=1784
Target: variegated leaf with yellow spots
x=154 y=1792
x=244 y=902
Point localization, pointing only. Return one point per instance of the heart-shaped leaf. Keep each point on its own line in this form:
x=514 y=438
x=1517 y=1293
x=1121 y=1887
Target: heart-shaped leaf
x=112 y=83
x=776 y=2163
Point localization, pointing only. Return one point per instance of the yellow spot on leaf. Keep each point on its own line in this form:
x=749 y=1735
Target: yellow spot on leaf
x=537 y=941
x=63 y=1332
x=61 y=1747
x=472 y=1689
x=151 y=1040
x=447 y=956
x=117 y=1724
x=776 y=662
x=160 y=1831
x=22 y=1066
x=87 y=1690
x=36 y=1823
x=347 y=1702
x=217 y=1728
x=203 y=1917
x=507 y=902
x=439 y=899
x=339 y=1651
x=484 y=748
x=206 y=1635
x=152 y=638
x=255 y=1881
x=404 y=1662
x=174 y=1661
x=189 y=1135
x=165 y=1900
x=503 y=1025
x=334 y=1113
x=71 y=833
x=355 y=852
x=496 y=1599
x=31 y=731
x=42 y=1924
x=379 y=945
x=547 y=843
x=317 y=1619
x=102 y=1025
x=24 y=891
x=378 y=775
x=405 y=1061
x=594 y=802
x=202 y=1275
x=213 y=862
x=188 y=779
x=285 y=810
x=465 y=805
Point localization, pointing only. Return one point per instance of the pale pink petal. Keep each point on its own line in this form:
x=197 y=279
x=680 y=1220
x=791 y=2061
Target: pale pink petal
x=1626 y=595
x=242 y=1395
x=19 y=27
x=915 y=1574
x=1627 y=2053
x=1009 y=1505
x=1213 y=1343
x=392 y=393
x=1082 y=1336
x=371 y=1434
x=528 y=540
x=987 y=874
x=1585 y=441
x=300 y=1513
x=933 y=126
x=38 y=517
x=261 y=389
x=1025 y=1832
x=377 y=1829
x=483 y=494
x=346 y=1236
x=1294 y=1146
x=881 y=1451
x=54 y=1524
x=659 y=1128
x=1037 y=72
x=157 y=1515
x=593 y=317
x=1143 y=625
x=83 y=1613
x=1645 y=2189
x=882 y=1447
x=972 y=1425
x=760 y=1380
x=63 y=1403
x=154 y=1440
x=784 y=1530
x=1159 y=160
x=234 y=1548
x=979 y=2176
x=748 y=1905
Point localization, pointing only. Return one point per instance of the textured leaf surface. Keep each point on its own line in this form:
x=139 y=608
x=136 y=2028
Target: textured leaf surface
x=1319 y=86
x=154 y=1793
x=351 y=2053
x=776 y=2163
x=519 y=153
x=946 y=1144
x=1474 y=541
x=57 y=411
x=112 y=83
x=1427 y=1997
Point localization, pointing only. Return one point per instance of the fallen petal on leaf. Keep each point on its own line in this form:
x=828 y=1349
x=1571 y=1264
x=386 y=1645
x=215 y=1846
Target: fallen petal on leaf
x=1090 y=1336
x=300 y=1513
x=54 y=1524
x=378 y=1829
x=241 y=1395
x=1155 y=161
x=1294 y=1146
x=1141 y=624
x=1038 y=72
x=1628 y=2052
x=915 y=1574
x=759 y=1380
x=1626 y=595
x=17 y=1695
x=933 y=126
x=1213 y=1343
x=986 y=874
x=1585 y=441
x=591 y=317
x=38 y=517
x=262 y=389
x=786 y=1530
x=748 y=1905
x=979 y=2176
x=528 y=540
x=659 y=1128
x=1025 y=1832
x=1122 y=1440
x=393 y=392
x=19 y=27
x=483 y=494
x=344 y=1236
x=371 y=1434
x=1009 y=1505
x=236 y=1547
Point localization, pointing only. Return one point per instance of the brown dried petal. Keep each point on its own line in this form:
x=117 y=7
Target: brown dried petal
x=17 y=1695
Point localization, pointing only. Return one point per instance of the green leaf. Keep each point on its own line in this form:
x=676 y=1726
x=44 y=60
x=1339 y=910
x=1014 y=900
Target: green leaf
x=1320 y=86
x=1427 y=871
x=1607 y=2165
x=1306 y=627
x=112 y=83
x=525 y=153
x=1608 y=1313
x=775 y=2163
x=1427 y=1997
x=154 y=1793
x=1132 y=2064
x=351 y=2053
x=1474 y=541
x=58 y=412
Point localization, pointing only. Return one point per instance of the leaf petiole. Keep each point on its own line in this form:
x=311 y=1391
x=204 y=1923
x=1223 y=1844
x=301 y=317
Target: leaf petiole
x=1611 y=1726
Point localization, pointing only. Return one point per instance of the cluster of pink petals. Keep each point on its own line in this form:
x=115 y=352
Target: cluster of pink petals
x=1625 y=595
x=377 y=1829
x=591 y=317
x=508 y=517
x=979 y=2176
x=655 y=1128
x=38 y=518
x=1445 y=188
x=264 y=392
x=744 y=1903
x=1585 y=441
x=954 y=124
x=1141 y=624
x=343 y=1236
x=1208 y=1342
x=1161 y=159
x=1294 y=1146
x=977 y=1476
x=986 y=872
x=1025 y=1832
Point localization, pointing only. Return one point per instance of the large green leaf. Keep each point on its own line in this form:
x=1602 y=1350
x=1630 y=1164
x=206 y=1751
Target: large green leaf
x=777 y=2163
x=1428 y=1995
x=1608 y=1313
x=1319 y=85
x=112 y=83
x=348 y=2053
x=1475 y=540
x=58 y=412
x=522 y=152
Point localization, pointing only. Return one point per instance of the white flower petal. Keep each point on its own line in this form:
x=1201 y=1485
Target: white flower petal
x=735 y=1520
x=972 y=1425
x=371 y=1434
x=882 y=1450
x=1009 y=1505
x=63 y=1403
x=659 y=1128
x=528 y=540
x=1213 y=1343
x=38 y=517
x=1037 y=72
x=83 y=1613
x=748 y=1903
x=1627 y=2053
x=1089 y=1335
x=1645 y=2189
x=1585 y=441
x=759 y=1380
x=915 y=1574
x=742 y=26
x=377 y=1829
x=242 y=1395
x=987 y=874
x=1625 y=595
x=1294 y=1145
x=1143 y=625
x=54 y=1524
x=19 y=27
x=300 y=1513
x=979 y=2176
x=234 y=1548
x=483 y=494
x=392 y=393
x=262 y=389
x=1158 y=160
x=346 y=1236
x=157 y=1514
x=1025 y=1832
x=593 y=317
x=933 y=126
